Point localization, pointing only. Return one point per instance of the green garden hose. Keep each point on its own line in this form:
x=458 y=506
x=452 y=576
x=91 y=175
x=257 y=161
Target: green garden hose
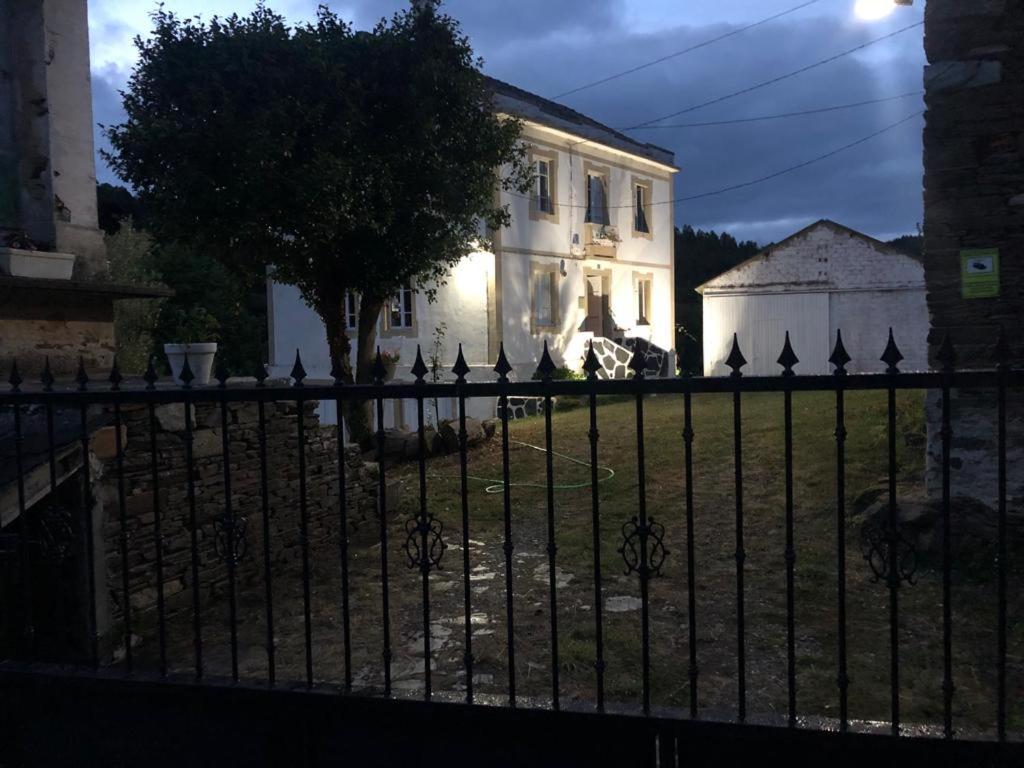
x=497 y=486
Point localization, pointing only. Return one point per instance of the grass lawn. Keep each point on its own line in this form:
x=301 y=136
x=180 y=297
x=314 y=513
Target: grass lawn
x=714 y=542
x=815 y=537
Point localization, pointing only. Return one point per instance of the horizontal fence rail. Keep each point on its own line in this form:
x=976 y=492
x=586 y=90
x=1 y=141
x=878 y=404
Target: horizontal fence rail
x=47 y=419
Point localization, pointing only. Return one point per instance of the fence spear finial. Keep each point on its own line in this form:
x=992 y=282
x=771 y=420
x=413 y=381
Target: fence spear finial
x=150 y=376
x=946 y=354
x=419 y=368
x=186 y=376
x=787 y=359
x=222 y=372
x=546 y=367
x=892 y=355
x=1001 y=351
x=14 y=379
x=591 y=364
x=379 y=371
x=298 y=373
x=82 y=378
x=460 y=369
x=735 y=360
x=115 y=377
x=47 y=377
x=502 y=367
x=638 y=362
x=839 y=357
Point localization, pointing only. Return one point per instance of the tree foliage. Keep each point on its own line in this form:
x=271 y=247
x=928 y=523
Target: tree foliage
x=342 y=160
x=700 y=256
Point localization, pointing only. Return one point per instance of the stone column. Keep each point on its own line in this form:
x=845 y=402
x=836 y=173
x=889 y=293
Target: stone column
x=47 y=170
x=974 y=198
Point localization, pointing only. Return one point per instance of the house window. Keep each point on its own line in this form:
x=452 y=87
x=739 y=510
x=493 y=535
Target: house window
x=597 y=199
x=641 y=202
x=351 y=311
x=401 y=308
x=545 y=298
x=643 y=300
x=544 y=201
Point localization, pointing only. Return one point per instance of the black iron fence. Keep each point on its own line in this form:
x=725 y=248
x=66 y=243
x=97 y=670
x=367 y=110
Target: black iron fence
x=66 y=414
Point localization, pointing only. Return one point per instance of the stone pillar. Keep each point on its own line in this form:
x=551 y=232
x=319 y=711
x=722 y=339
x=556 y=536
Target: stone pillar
x=974 y=198
x=47 y=171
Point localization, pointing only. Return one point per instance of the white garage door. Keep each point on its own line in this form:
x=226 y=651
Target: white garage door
x=761 y=322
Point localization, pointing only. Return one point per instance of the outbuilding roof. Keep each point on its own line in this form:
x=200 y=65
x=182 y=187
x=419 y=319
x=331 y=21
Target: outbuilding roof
x=730 y=278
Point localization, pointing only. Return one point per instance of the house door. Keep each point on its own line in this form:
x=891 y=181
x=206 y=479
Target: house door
x=598 y=314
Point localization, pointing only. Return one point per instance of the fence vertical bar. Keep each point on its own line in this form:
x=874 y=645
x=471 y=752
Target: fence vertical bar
x=28 y=627
x=379 y=373
x=268 y=585
x=298 y=375
x=502 y=367
x=891 y=356
x=787 y=359
x=158 y=535
x=346 y=619
x=638 y=363
x=1002 y=357
x=736 y=361
x=186 y=376
x=87 y=521
x=839 y=358
x=947 y=356
x=419 y=370
x=691 y=567
x=546 y=368
x=460 y=369
x=591 y=365
x=126 y=607
x=228 y=520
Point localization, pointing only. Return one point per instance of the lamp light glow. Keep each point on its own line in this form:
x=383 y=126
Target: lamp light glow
x=873 y=10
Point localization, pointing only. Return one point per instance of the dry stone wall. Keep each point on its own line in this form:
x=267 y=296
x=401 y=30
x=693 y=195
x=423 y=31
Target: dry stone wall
x=170 y=494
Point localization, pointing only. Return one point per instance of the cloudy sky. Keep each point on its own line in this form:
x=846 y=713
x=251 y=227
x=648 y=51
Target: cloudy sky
x=552 y=46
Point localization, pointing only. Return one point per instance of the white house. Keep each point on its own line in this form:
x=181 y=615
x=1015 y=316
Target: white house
x=824 y=278
x=589 y=255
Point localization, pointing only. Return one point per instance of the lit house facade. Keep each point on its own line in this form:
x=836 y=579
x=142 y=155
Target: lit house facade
x=588 y=256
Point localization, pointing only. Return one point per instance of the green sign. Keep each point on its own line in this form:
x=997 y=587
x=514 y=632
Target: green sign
x=979 y=273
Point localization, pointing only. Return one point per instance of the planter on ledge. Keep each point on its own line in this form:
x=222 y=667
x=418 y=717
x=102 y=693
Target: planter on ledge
x=48 y=265
x=200 y=360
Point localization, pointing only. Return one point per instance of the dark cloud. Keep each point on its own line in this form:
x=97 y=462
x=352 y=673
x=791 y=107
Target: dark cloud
x=549 y=47
x=106 y=110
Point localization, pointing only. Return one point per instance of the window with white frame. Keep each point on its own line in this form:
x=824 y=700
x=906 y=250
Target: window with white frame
x=544 y=201
x=643 y=300
x=351 y=311
x=641 y=209
x=401 y=313
x=597 y=199
x=545 y=297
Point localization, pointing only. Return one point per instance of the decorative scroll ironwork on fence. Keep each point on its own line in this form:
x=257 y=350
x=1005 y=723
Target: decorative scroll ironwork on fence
x=888 y=553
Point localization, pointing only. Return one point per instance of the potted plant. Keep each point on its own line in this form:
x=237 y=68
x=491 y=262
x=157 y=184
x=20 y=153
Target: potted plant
x=390 y=360
x=196 y=332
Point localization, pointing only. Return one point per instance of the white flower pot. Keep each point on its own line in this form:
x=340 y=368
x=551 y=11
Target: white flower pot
x=48 y=265
x=200 y=360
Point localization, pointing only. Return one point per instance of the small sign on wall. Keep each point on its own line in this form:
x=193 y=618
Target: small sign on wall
x=979 y=273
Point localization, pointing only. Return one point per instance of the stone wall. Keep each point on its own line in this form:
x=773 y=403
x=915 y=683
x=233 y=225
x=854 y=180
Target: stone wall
x=243 y=451
x=974 y=198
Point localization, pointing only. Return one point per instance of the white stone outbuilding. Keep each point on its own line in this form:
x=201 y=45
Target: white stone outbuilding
x=824 y=278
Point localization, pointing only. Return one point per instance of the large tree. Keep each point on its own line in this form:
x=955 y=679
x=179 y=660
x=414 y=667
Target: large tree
x=345 y=161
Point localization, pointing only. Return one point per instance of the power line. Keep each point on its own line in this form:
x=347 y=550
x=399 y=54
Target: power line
x=797 y=167
x=781 y=115
x=685 y=50
x=774 y=80
x=760 y=180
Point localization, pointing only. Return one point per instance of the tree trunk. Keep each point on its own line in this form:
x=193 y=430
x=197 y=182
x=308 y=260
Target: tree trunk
x=358 y=413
